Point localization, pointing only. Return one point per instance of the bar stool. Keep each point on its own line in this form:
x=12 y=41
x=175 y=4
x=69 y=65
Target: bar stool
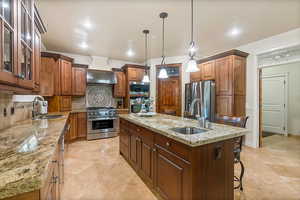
x=238 y=143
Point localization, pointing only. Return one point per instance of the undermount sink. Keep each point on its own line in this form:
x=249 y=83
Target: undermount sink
x=189 y=130
x=51 y=116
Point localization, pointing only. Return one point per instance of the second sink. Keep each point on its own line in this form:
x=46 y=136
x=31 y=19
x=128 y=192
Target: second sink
x=189 y=130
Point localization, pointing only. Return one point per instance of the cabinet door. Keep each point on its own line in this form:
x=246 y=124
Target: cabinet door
x=120 y=87
x=73 y=124
x=208 y=70
x=224 y=76
x=8 y=41
x=66 y=77
x=239 y=105
x=37 y=59
x=26 y=44
x=172 y=176
x=224 y=105
x=135 y=151
x=47 y=76
x=196 y=76
x=78 y=81
x=147 y=161
x=65 y=103
x=81 y=125
x=239 y=64
x=135 y=74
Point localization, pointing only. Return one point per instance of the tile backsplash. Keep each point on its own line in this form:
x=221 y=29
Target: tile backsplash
x=14 y=111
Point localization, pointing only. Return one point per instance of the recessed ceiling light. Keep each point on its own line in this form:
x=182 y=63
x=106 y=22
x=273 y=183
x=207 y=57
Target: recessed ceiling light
x=130 y=53
x=235 y=32
x=83 y=45
x=87 y=24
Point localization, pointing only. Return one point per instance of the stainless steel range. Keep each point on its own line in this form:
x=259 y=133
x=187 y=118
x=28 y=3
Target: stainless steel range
x=102 y=122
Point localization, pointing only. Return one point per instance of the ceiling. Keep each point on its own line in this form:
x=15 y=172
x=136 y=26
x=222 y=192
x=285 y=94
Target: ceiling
x=111 y=27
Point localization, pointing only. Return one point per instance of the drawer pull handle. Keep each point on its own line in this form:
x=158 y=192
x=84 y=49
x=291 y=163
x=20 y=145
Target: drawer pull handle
x=168 y=144
x=154 y=150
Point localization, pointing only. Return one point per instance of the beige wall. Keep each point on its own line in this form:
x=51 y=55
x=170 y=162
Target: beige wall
x=293 y=70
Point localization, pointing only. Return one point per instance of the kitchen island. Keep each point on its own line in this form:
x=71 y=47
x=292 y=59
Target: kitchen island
x=31 y=159
x=176 y=166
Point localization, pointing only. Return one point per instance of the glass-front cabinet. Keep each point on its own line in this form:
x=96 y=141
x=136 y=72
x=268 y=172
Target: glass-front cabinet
x=25 y=46
x=8 y=41
x=16 y=43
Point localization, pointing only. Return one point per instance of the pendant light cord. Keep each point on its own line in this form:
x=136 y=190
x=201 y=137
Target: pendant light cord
x=163 y=39
x=192 y=21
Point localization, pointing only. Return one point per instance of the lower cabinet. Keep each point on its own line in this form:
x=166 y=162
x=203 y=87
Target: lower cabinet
x=78 y=126
x=175 y=171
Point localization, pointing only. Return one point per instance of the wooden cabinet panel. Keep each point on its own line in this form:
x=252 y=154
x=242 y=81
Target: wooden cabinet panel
x=208 y=70
x=239 y=64
x=225 y=105
x=120 y=87
x=65 y=103
x=135 y=74
x=66 y=77
x=37 y=59
x=81 y=125
x=48 y=65
x=239 y=105
x=224 y=76
x=147 y=162
x=73 y=124
x=196 y=76
x=135 y=151
x=172 y=176
x=78 y=81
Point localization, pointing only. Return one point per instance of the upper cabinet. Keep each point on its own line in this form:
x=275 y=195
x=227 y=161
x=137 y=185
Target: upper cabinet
x=120 y=86
x=20 y=45
x=57 y=71
x=135 y=73
x=196 y=76
x=79 y=79
x=208 y=70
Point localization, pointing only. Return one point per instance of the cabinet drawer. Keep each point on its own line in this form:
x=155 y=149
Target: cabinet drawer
x=147 y=136
x=175 y=147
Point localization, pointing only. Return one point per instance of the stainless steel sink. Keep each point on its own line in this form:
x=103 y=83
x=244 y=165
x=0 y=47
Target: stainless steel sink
x=189 y=130
x=51 y=116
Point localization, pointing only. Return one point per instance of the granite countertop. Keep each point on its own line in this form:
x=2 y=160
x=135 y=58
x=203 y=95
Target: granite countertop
x=163 y=123
x=26 y=149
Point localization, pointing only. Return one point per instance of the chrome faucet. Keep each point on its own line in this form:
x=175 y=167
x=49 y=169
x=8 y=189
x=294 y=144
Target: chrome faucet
x=201 y=120
x=35 y=112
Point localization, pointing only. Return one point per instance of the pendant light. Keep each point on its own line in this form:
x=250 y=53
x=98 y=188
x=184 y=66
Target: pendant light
x=163 y=72
x=146 y=78
x=192 y=64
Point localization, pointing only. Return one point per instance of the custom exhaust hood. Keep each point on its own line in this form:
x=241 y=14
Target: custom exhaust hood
x=101 y=77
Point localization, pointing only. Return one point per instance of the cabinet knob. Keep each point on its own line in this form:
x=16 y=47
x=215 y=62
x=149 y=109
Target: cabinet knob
x=154 y=150
x=168 y=144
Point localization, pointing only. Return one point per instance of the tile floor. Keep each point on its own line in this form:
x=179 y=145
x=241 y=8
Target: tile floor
x=96 y=171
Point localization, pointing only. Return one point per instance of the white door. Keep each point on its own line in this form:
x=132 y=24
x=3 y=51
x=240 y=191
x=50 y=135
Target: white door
x=274 y=98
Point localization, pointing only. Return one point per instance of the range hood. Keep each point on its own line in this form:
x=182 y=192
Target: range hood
x=101 y=77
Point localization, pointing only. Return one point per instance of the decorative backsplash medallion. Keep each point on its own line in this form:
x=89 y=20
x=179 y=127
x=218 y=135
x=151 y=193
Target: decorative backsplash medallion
x=100 y=96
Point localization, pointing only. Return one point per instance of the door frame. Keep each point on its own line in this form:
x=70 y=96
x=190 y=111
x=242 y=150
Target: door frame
x=286 y=78
x=179 y=65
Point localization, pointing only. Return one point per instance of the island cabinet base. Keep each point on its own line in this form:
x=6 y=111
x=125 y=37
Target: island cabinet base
x=176 y=171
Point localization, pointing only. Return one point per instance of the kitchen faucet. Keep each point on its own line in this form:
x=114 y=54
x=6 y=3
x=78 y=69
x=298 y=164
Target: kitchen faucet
x=35 y=113
x=202 y=121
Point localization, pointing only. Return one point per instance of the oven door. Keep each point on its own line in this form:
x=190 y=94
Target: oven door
x=102 y=125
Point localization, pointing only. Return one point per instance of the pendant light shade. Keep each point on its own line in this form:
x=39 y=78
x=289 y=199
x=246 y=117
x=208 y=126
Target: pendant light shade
x=163 y=72
x=192 y=64
x=146 y=78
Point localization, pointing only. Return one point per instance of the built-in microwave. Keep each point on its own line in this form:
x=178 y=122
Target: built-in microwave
x=139 y=88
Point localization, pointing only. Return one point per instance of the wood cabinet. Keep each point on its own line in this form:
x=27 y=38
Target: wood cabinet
x=120 y=87
x=47 y=76
x=135 y=74
x=19 y=46
x=61 y=74
x=208 y=70
x=177 y=171
x=196 y=76
x=225 y=105
x=78 y=81
x=78 y=126
x=59 y=103
x=37 y=59
x=224 y=76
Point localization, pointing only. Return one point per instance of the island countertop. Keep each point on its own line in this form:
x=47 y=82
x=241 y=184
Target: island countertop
x=26 y=150
x=161 y=123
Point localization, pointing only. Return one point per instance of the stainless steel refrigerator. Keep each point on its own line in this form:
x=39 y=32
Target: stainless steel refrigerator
x=204 y=90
